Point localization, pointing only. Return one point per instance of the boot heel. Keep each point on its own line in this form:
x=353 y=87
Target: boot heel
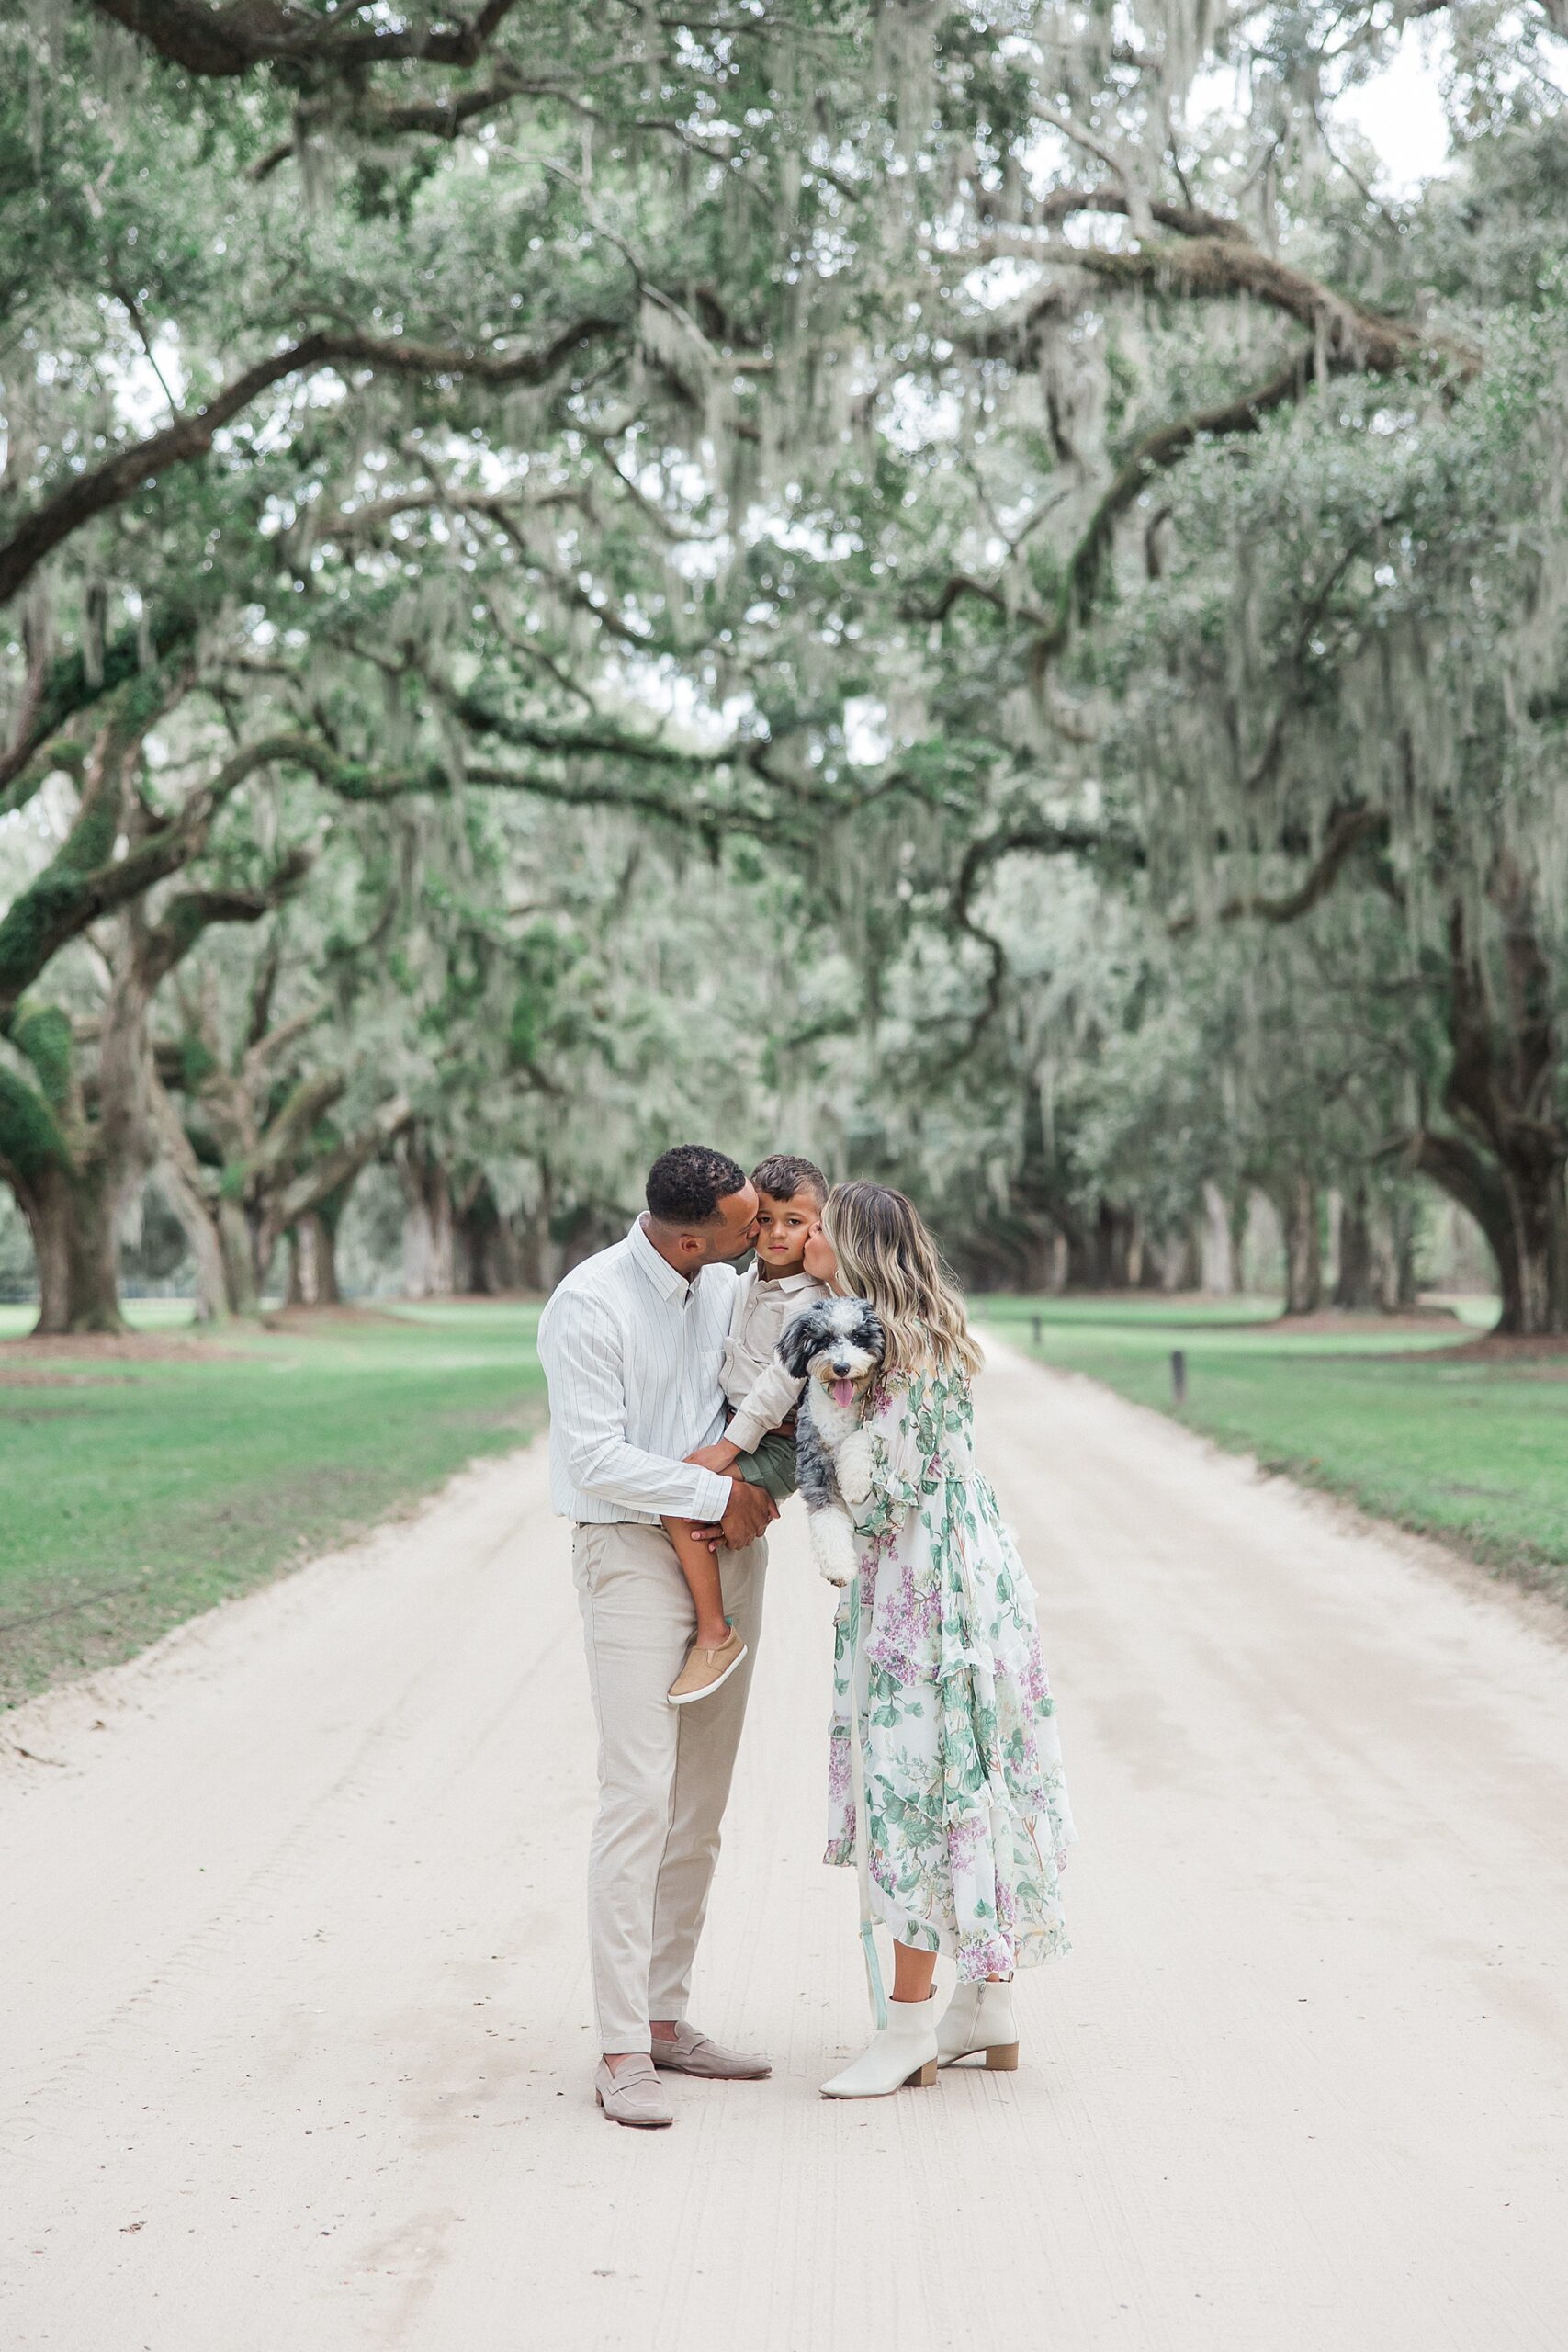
x=1003 y=2061
x=924 y=2076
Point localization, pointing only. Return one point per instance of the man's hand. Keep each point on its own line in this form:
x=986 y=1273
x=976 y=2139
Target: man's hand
x=751 y=1511
x=720 y=1457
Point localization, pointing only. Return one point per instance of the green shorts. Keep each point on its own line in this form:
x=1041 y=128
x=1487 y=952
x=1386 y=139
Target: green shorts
x=772 y=1465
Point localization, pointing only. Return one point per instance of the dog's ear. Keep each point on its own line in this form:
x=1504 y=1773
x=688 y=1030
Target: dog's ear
x=875 y=1334
x=797 y=1343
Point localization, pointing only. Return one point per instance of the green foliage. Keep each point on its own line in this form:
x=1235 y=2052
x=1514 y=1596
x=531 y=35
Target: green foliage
x=31 y=1143
x=43 y=1033
x=809 y=702
x=1466 y=1451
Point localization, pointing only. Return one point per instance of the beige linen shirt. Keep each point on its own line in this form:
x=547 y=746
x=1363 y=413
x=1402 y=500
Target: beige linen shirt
x=756 y=1384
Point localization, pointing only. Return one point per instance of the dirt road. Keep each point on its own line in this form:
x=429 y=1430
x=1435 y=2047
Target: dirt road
x=294 y=2053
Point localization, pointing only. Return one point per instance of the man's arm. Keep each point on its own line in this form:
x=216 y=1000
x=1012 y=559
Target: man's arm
x=581 y=1351
x=751 y=1513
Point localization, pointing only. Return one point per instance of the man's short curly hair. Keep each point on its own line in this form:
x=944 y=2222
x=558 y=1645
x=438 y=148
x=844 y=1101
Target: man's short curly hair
x=784 y=1174
x=686 y=1183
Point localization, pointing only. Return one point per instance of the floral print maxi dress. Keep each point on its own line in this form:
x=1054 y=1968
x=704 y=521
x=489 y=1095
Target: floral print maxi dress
x=965 y=1804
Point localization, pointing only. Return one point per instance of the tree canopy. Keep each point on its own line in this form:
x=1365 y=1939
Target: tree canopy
x=964 y=589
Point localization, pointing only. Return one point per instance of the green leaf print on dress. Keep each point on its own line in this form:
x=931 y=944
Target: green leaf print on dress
x=965 y=1804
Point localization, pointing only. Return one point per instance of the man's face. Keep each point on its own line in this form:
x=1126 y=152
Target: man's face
x=735 y=1229
x=730 y=1236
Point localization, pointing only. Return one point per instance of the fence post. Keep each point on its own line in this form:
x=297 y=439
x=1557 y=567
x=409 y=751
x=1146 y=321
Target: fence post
x=1036 y=1328
x=1179 y=1376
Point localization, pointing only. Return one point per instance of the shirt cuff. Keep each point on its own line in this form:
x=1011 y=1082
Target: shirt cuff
x=713 y=1495
x=747 y=1431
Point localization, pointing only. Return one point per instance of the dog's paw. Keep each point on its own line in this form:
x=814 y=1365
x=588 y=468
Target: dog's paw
x=833 y=1546
x=853 y=1468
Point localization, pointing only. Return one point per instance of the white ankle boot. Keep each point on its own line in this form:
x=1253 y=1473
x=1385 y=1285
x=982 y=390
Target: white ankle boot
x=904 y=2051
x=979 y=2016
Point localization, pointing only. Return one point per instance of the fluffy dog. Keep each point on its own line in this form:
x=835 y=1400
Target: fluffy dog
x=836 y=1346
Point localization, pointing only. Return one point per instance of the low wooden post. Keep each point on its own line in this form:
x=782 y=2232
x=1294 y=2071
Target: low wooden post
x=1036 y=1328
x=1179 y=1376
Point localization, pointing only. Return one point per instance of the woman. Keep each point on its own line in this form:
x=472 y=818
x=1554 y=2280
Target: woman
x=966 y=1807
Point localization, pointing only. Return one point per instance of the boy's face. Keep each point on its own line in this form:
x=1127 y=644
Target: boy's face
x=782 y=1228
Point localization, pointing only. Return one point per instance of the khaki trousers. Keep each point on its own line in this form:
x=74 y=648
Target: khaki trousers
x=664 y=1771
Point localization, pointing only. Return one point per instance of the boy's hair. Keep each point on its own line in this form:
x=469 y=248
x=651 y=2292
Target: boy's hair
x=783 y=1173
x=686 y=1183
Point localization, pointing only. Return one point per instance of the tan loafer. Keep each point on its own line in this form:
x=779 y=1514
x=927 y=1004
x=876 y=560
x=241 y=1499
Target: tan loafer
x=706 y=1670
x=692 y=2052
x=633 y=2095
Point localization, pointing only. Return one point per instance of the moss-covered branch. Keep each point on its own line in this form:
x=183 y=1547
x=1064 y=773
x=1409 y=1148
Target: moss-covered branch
x=32 y=1142
x=96 y=492
x=67 y=690
x=183 y=919
x=221 y=43
x=1351 y=830
x=316 y=1184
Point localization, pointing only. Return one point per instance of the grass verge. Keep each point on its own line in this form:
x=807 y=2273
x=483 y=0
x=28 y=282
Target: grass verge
x=1475 y=1452
x=144 y=1481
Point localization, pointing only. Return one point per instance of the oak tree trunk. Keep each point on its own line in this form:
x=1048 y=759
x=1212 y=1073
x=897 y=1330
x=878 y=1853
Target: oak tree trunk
x=428 y=1239
x=1296 y=1200
x=1507 y=1163
x=485 y=1256
x=74 y=1218
x=312 y=1261
x=1355 y=1279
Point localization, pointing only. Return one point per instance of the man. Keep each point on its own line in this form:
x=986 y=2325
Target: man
x=631 y=1343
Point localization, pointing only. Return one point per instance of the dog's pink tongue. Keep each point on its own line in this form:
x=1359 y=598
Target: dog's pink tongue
x=843 y=1392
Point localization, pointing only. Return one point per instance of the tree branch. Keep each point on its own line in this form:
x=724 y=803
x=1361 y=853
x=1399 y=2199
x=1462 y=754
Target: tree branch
x=119 y=477
x=1046 y=840
x=1214 y=265
x=185 y=916
x=316 y=1183
x=219 y=43
x=1345 y=836
x=81 y=884
x=66 y=691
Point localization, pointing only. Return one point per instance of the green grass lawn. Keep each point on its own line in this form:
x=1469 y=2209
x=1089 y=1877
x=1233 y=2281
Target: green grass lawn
x=1475 y=1452
x=138 y=1490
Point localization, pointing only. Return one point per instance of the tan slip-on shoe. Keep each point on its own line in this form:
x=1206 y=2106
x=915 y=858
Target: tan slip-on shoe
x=705 y=1670
x=634 y=2095
x=692 y=2052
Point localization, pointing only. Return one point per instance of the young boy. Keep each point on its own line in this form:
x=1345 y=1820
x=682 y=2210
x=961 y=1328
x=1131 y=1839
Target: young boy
x=762 y=1395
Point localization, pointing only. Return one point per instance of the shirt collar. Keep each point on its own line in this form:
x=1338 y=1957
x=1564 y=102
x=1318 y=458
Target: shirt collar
x=666 y=1281
x=785 y=1282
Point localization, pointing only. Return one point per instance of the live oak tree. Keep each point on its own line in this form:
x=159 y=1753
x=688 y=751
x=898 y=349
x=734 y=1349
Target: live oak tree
x=266 y=1113
x=732 y=448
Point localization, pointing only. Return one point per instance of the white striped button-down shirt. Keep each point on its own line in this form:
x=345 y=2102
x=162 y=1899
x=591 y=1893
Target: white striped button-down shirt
x=631 y=1351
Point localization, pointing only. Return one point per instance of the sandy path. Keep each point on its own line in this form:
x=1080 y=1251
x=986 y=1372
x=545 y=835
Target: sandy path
x=294 y=2051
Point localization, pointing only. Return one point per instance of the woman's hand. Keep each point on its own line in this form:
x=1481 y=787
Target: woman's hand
x=717 y=1456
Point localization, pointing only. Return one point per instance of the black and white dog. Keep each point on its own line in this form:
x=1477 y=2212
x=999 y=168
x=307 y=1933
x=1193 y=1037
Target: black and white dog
x=836 y=1346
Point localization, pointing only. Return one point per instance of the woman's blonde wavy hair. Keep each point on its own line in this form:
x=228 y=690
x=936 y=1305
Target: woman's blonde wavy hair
x=886 y=1257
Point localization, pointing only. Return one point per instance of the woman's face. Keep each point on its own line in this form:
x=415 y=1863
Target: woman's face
x=819 y=1259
